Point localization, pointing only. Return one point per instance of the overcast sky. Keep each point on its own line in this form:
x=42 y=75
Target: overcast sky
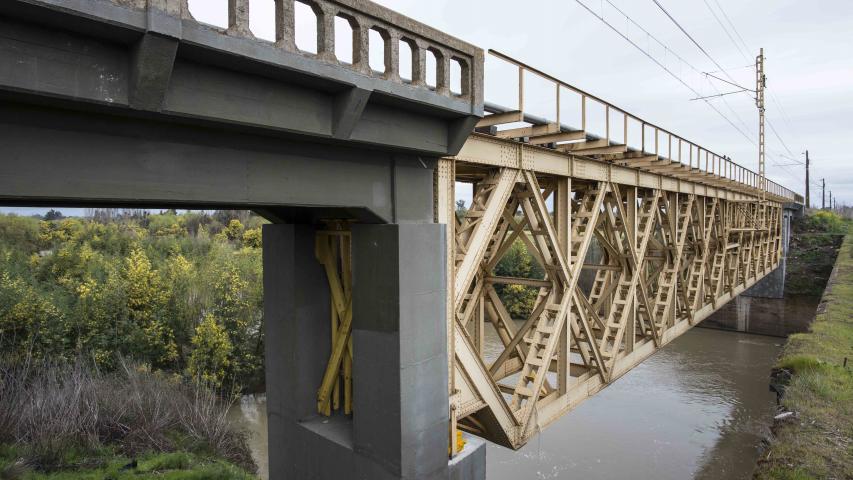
x=809 y=67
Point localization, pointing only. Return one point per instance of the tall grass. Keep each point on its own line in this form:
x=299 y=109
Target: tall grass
x=56 y=411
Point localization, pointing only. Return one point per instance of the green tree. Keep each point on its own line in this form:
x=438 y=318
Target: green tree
x=252 y=238
x=234 y=230
x=211 y=354
x=517 y=262
x=133 y=283
x=53 y=215
x=183 y=304
x=461 y=211
x=146 y=296
x=29 y=322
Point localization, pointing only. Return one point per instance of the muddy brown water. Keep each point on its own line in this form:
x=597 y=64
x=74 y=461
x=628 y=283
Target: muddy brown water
x=699 y=408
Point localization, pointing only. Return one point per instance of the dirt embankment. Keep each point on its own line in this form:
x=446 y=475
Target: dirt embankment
x=811 y=257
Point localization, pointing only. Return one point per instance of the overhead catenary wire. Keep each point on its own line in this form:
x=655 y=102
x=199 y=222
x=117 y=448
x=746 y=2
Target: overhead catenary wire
x=714 y=61
x=773 y=97
x=773 y=129
x=658 y=63
x=731 y=80
x=734 y=29
x=743 y=54
x=700 y=47
x=668 y=50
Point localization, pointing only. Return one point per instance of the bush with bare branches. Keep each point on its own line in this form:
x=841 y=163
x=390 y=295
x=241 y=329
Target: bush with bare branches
x=49 y=409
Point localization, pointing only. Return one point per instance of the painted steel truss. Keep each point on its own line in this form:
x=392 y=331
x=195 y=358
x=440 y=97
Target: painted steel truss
x=627 y=268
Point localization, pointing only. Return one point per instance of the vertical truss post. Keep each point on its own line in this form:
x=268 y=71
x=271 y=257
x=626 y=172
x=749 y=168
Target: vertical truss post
x=563 y=220
x=631 y=229
x=445 y=213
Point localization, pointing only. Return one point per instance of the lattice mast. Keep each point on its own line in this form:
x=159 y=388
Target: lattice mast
x=760 y=84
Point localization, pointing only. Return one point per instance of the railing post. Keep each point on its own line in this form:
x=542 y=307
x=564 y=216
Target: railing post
x=325 y=32
x=392 y=55
x=238 y=18
x=465 y=80
x=418 y=63
x=285 y=25
x=361 y=46
x=442 y=72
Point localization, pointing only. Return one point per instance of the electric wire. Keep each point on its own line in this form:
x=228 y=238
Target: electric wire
x=656 y=61
x=702 y=49
x=720 y=22
x=682 y=60
x=770 y=153
x=734 y=29
x=724 y=71
x=773 y=97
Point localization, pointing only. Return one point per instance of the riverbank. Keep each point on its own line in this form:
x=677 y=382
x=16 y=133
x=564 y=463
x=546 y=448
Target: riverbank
x=812 y=252
x=815 y=440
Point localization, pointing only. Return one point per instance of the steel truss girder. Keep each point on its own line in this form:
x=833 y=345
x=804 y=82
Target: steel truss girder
x=670 y=259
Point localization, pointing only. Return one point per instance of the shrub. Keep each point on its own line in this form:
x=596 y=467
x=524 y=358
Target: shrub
x=52 y=410
x=211 y=351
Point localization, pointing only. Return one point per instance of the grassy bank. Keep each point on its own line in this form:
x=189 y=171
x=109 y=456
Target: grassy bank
x=61 y=421
x=816 y=442
x=112 y=466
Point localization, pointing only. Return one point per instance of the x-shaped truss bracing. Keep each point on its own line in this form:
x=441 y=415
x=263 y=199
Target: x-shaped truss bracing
x=626 y=270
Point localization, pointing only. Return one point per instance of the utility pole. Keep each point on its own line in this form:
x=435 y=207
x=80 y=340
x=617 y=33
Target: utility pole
x=760 y=84
x=808 y=204
x=823 y=193
x=830 y=199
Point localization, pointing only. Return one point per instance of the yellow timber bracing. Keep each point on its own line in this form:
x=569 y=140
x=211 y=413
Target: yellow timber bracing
x=332 y=249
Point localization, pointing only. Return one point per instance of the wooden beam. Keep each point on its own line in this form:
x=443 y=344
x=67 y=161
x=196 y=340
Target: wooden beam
x=635 y=160
x=531 y=131
x=558 y=137
x=601 y=150
x=500 y=118
x=570 y=147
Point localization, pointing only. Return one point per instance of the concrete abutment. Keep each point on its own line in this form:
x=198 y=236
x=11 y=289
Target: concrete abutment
x=773 y=284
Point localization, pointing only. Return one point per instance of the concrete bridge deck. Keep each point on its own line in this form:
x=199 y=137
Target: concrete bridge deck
x=133 y=102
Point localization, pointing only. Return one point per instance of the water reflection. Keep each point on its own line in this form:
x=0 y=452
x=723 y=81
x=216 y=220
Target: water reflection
x=250 y=415
x=697 y=409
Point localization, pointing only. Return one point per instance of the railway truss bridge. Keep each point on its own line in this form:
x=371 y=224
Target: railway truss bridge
x=379 y=295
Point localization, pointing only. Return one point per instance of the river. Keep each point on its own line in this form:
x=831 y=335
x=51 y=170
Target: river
x=699 y=408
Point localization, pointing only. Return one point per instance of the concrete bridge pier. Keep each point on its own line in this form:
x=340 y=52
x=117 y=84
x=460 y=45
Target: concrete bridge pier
x=399 y=426
x=773 y=285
